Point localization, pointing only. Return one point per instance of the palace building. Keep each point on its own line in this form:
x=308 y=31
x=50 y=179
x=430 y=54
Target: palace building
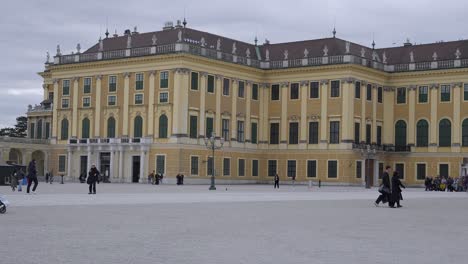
x=323 y=109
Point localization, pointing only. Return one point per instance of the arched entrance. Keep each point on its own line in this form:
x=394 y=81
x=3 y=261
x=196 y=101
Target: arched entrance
x=39 y=156
x=15 y=156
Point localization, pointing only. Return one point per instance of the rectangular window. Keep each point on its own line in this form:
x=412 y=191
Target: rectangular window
x=271 y=168
x=314 y=90
x=164 y=97
x=87 y=85
x=357 y=132
x=139 y=81
x=164 y=80
x=86 y=101
x=31 y=130
x=226 y=87
x=240 y=131
x=211 y=84
x=291 y=168
x=420 y=171
x=51 y=96
x=294 y=92
x=379 y=135
x=254 y=91
x=255 y=168
x=209 y=166
x=209 y=126
x=138 y=99
x=253 y=133
x=444 y=170
x=313 y=132
x=401 y=95
x=194 y=81
x=400 y=168
x=160 y=164
x=65 y=103
x=66 y=87
x=334 y=132
x=465 y=92
x=332 y=169
x=335 y=89
x=275 y=92
x=311 y=168
x=193 y=126
x=368 y=133
x=241 y=167
x=111 y=100
x=47 y=130
x=423 y=92
x=445 y=93
x=359 y=169
x=274 y=133
x=369 y=92
x=357 y=90
x=226 y=129
x=226 y=166
x=112 y=83
x=62 y=162
x=294 y=133
x=379 y=95
x=194 y=165
x=241 y=89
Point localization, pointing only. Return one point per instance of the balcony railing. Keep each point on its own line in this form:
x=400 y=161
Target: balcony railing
x=385 y=148
x=86 y=141
x=24 y=140
x=397 y=148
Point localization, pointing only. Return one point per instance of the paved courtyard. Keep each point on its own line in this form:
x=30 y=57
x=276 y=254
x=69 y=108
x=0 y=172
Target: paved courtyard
x=138 y=223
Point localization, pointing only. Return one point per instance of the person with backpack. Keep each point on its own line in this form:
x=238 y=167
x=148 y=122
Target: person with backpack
x=93 y=177
x=32 y=176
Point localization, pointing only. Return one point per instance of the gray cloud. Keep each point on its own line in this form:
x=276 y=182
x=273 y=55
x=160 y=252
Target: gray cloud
x=31 y=27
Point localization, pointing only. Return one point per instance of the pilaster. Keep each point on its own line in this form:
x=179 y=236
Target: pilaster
x=323 y=113
x=235 y=84
x=303 y=126
x=75 y=108
x=374 y=114
x=219 y=79
x=54 y=111
x=411 y=114
x=151 y=110
x=97 y=115
x=457 y=97
x=388 y=129
x=284 y=114
x=434 y=118
x=126 y=104
x=248 y=101
x=363 y=111
x=203 y=82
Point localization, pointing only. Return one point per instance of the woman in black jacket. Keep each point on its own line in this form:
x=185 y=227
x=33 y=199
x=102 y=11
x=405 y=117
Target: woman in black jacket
x=396 y=190
x=93 y=177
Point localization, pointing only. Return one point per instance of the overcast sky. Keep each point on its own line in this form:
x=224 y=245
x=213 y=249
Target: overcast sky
x=29 y=28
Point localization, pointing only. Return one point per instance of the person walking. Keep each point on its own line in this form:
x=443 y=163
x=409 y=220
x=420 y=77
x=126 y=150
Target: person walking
x=14 y=180
x=396 y=190
x=152 y=177
x=32 y=176
x=384 y=189
x=93 y=177
x=276 y=181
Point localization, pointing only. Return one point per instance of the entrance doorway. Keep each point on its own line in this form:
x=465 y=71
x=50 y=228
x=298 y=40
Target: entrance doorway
x=83 y=167
x=369 y=169
x=135 y=168
x=104 y=160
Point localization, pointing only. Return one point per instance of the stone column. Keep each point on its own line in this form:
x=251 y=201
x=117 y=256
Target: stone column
x=263 y=126
x=284 y=115
x=248 y=101
x=125 y=104
x=457 y=97
x=203 y=81
x=363 y=111
x=235 y=84
x=97 y=112
x=75 y=108
x=111 y=168
x=88 y=165
x=346 y=119
x=303 y=124
x=389 y=103
x=180 y=103
x=54 y=112
x=69 y=165
x=143 y=177
x=218 y=124
x=374 y=114
x=434 y=119
x=151 y=109
x=323 y=114
x=121 y=165
x=411 y=115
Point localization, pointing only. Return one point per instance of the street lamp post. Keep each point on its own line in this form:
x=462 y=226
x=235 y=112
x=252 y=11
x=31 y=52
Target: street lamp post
x=210 y=143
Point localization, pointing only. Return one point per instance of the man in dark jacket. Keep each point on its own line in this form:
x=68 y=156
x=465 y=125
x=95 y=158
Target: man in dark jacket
x=385 y=187
x=93 y=177
x=396 y=190
x=32 y=176
x=276 y=181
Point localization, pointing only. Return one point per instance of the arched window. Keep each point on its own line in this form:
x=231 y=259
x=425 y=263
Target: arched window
x=163 y=126
x=445 y=133
x=138 y=127
x=465 y=132
x=85 y=128
x=111 y=127
x=64 y=130
x=39 y=129
x=422 y=133
x=400 y=133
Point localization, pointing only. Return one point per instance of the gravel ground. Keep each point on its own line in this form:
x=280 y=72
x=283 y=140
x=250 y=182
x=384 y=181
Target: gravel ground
x=138 y=223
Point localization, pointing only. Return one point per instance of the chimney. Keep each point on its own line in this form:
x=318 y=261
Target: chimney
x=407 y=43
x=168 y=25
x=178 y=25
x=127 y=32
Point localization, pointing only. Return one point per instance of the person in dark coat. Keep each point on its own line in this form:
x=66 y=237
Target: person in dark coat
x=384 y=189
x=396 y=190
x=276 y=181
x=32 y=176
x=93 y=177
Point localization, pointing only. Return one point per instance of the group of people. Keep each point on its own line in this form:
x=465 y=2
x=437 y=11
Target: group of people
x=31 y=177
x=155 y=178
x=390 y=190
x=448 y=184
